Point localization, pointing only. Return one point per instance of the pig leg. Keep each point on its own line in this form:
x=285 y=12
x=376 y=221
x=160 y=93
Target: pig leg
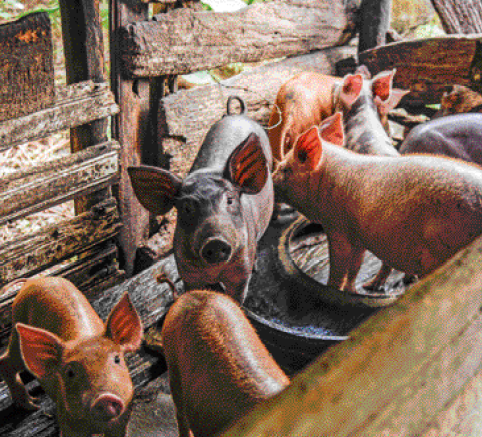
x=346 y=258
x=10 y=372
x=378 y=281
x=176 y=390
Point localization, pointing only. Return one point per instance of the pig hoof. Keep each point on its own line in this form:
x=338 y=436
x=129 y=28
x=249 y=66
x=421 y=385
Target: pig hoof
x=374 y=287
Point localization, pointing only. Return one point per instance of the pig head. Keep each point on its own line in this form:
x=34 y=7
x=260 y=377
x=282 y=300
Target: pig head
x=77 y=359
x=224 y=205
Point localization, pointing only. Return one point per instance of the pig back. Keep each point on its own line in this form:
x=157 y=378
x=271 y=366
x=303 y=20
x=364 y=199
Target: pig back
x=457 y=136
x=56 y=305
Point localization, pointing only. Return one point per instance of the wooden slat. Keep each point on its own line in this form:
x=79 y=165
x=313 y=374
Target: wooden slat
x=461 y=17
x=184 y=40
x=58 y=242
x=26 y=66
x=399 y=369
x=48 y=184
x=427 y=66
x=74 y=105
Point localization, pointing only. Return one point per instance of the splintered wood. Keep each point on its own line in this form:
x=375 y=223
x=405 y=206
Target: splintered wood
x=26 y=66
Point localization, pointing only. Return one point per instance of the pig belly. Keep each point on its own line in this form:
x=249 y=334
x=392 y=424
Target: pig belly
x=419 y=247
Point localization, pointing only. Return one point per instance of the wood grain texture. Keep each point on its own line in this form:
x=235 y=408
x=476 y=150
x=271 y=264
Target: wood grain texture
x=427 y=66
x=53 y=244
x=74 y=105
x=461 y=17
x=26 y=66
x=184 y=40
x=399 y=369
x=48 y=184
x=131 y=128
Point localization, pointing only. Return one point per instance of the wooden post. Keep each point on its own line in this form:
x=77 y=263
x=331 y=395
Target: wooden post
x=130 y=127
x=460 y=17
x=374 y=23
x=84 y=59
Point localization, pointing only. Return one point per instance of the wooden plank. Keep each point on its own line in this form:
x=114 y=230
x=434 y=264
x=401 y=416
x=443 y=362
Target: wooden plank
x=184 y=40
x=74 y=105
x=53 y=244
x=83 y=42
x=398 y=370
x=131 y=128
x=374 y=23
x=26 y=66
x=434 y=64
x=57 y=181
x=460 y=17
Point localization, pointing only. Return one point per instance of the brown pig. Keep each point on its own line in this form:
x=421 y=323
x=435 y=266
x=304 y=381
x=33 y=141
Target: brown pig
x=459 y=99
x=78 y=360
x=308 y=98
x=218 y=367
x=411 y=212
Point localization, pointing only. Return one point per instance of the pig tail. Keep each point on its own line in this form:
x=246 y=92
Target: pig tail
x=162 y=278
x=279 y=116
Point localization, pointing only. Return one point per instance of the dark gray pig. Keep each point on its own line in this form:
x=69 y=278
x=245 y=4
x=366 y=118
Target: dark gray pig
x=224 y=204
x=457 y=136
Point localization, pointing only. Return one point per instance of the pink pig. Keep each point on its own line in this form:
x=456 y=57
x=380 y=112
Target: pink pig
x=413 y=212
x=77 y=359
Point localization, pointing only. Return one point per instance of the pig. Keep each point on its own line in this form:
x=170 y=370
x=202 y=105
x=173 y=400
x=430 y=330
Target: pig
x=224 y=204
x=218 y=367
x=459 y=99
x=413 y=212
x=308 y=98
x=78 y=360
x=457 y=136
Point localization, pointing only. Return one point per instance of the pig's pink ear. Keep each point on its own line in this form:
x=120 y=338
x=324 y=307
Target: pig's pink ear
x=385 y=97
x=154 y=187
x=41 y=350
x=247 y=166
x=124 y=325
x=331 y=129
x=351 y=89
x=308 y=148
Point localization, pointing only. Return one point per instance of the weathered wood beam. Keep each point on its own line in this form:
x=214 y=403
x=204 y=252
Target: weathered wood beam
x=74 y=105
x=26 y=66
x=461 y=17
x=374 y=22
x=83 y=42
x=184 y=40
x=399 y=369
x=131 y=128
x=48 y=184
x=53 y=244
x=427 y=66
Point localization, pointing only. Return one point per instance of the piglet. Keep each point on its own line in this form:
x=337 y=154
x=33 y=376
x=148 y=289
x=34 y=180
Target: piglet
x=308 y=98
x=459 y=99
x=218 y=367
x=78 y=360
x=224 y=204
x=413 y=212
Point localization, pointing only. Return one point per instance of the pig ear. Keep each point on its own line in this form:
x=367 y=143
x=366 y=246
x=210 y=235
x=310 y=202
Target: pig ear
x=124 y=325
x=385 y=97
x=247 y=166
x=351 y=89
x=331 y=129
x=308 y=148
x=155 y=188
x=41 y=350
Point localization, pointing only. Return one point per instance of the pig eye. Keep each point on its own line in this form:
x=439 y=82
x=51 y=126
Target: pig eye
x=302 y=156
x=188 y=208
x=70 y=373
x=117 y=359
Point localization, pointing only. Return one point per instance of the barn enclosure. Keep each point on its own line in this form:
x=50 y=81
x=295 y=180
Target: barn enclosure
x=413 y=368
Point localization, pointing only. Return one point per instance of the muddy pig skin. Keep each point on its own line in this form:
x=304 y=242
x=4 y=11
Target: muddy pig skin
x=218 y=367
x=224 y=204
x=458 y=136
x=412 y=212
x=308 y=98
x=78 y=360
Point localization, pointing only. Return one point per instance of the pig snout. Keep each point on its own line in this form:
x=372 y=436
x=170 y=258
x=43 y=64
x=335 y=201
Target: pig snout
x=216 y=250
x=107 y=407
